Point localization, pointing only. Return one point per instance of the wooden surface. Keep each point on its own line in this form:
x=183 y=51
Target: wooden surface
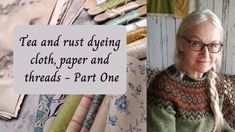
x=162 y=30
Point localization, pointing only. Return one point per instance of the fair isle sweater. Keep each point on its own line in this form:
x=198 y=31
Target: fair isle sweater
x=183 y=105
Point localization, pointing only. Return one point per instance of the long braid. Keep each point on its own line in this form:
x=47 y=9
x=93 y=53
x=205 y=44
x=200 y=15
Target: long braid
x=214 y=97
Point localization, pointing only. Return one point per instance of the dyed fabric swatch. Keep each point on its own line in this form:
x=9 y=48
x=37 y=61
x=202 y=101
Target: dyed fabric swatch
x=95 y=105
x=79 y=116
x=177 y=8
x=100 y=119
x=160 y=6
x=128 y=112
x=66 y=113
x=181 y=8
x=48 y=107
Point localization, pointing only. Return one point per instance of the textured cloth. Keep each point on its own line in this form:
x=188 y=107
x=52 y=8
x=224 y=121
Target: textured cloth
x=176 y=104
x=127 y=112
x=178 y=8
x=48 y=107
x=94 y=108
x=79 y=116
x=66 y=113
x=136 y=25
x=100 y=119
x=181 y=8
x=137 y=48
x=160 y=6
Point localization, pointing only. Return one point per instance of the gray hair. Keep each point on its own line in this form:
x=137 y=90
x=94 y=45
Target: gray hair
x=190 y=21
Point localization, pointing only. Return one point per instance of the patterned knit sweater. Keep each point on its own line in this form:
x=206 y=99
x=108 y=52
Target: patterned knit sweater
x=183 y=104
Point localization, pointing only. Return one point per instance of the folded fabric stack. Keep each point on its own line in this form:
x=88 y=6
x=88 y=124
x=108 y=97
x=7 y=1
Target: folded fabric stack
x=9 y=101
x=98 y=112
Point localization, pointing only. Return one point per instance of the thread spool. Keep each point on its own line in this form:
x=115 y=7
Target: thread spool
x=136 y=35
x=138 y=48
x=136 y=25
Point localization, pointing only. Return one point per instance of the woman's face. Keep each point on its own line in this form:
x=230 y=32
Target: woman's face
x=196 y=63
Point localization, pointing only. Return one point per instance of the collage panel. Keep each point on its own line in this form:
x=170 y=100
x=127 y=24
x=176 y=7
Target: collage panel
x=75 y=112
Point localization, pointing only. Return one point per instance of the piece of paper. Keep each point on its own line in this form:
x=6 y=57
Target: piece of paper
x=22 y=12
x=9 y=101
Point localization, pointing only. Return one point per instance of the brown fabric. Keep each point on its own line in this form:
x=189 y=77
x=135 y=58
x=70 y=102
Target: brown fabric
x=181 y=8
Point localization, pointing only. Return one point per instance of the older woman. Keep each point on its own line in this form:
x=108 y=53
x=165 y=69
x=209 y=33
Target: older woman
x=190 y=96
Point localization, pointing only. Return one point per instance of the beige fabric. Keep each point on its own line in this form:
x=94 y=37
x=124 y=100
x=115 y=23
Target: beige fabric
x=127 y=112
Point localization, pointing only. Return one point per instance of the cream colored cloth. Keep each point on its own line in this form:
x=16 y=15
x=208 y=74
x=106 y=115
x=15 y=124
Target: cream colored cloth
x=127 y=112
